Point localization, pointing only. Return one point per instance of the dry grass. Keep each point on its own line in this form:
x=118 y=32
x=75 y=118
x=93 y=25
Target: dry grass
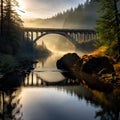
x=99 y=52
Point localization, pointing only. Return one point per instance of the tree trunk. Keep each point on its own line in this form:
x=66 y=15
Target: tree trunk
x=1 y=25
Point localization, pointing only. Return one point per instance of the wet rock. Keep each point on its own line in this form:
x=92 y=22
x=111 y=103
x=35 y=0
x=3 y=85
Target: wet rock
x=98 y=65
x=67 y=62
x=93 y=82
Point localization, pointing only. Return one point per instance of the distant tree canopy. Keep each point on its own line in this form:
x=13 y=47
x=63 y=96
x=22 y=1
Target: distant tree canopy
x=108 y=26
x=83 y=16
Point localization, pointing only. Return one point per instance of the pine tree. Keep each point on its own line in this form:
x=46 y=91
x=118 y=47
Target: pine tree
x=12 y=25
x=108 y=26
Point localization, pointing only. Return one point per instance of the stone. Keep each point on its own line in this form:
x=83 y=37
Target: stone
x=98 y=65
x=67 y=62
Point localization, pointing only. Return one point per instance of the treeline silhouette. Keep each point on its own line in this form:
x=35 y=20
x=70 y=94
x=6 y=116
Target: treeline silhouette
x=84 y=16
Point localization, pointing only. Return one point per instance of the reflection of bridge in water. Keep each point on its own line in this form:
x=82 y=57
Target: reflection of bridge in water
x=33 y=80
x=76 y=36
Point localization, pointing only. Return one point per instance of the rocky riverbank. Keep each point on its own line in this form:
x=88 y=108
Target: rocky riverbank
x=96 y=72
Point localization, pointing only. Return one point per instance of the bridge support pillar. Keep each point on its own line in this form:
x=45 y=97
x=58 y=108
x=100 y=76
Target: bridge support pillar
x=32 y=36
x=27 y=35
x=37 y=35
x=32 y=79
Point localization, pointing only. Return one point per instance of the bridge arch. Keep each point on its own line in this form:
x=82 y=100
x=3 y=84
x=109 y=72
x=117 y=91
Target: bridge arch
x=71 y=39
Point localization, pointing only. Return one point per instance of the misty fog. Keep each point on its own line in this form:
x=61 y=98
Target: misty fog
x=56 y=43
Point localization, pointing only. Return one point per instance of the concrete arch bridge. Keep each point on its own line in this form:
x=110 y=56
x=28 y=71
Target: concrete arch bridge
x=76 y=36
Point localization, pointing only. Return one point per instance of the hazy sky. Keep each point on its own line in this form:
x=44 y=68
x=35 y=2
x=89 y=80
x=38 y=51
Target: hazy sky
x=46 y=8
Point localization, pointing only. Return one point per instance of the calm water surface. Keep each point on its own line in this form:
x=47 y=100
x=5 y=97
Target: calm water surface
x=35 y=102
x=55 y=104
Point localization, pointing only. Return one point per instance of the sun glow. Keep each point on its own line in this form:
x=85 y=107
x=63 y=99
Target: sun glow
x=21 y=9
x=21 y=4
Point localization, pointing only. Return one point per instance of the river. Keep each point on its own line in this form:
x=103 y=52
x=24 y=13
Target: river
x=33 y=101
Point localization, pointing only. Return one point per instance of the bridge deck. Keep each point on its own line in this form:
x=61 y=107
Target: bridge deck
x=56 y=29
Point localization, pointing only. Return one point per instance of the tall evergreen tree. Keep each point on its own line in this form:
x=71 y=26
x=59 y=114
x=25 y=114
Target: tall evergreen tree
x=108 y=26
x=12 y=25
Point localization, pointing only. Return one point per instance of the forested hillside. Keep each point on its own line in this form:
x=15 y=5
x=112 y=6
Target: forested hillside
x=83 y=16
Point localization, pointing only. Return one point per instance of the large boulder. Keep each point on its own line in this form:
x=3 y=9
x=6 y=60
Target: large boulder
x=67 y=62
x=98 y=65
